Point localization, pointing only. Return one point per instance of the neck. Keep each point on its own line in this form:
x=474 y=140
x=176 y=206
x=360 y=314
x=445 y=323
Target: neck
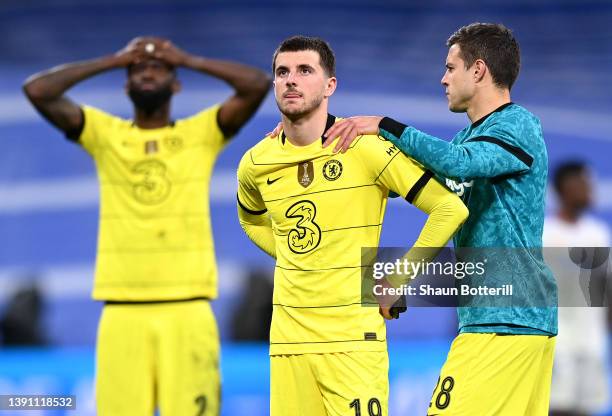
x=306 y=129
x=486 y=102
x=160 y=117
x=569 y=215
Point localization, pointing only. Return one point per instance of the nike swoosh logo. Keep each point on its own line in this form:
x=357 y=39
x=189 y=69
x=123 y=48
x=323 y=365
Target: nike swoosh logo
x=270 y=182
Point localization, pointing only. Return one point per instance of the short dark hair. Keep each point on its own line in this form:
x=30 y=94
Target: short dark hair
x=307 y=43
x=566 y=170
x=495 y=45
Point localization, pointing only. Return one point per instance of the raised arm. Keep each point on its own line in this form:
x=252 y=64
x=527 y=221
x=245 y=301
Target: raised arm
x=46 y=90
x=481 y=157
x=250 y=84
x=488 y=156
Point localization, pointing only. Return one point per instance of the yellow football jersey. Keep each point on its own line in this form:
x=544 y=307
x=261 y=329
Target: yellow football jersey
x=155 y=240
x=324 y=208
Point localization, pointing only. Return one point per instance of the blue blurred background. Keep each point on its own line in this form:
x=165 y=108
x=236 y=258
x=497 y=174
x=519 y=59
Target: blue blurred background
x=390 y=58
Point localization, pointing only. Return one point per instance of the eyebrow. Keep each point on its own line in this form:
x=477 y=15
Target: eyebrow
x=300 y=66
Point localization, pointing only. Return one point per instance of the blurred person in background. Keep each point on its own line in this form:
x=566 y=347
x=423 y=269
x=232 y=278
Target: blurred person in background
x=20 y=321
x=251 y=318
x=158 y=343
x=328 y=352
x=580 y=379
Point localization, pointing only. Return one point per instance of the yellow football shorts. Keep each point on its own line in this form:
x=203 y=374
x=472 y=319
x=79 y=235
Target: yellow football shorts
x=158 y=355
x=495 y=375
x=334 y=384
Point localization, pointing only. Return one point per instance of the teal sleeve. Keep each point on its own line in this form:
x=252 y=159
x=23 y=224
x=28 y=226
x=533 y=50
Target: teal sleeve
x=487 y=156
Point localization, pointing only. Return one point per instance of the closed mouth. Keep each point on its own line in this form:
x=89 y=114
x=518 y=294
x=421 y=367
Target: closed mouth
x=292 y=95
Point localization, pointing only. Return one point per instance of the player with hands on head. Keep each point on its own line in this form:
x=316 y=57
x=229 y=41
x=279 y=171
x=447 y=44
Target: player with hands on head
x=158 y=345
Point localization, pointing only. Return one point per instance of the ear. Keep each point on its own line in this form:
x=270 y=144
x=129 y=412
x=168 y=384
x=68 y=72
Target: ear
x=332 y=82
x=480 y=70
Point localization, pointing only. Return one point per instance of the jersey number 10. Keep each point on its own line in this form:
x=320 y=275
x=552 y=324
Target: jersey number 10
x=374 y=408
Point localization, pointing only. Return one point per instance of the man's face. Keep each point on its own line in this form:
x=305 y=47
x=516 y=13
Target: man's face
x=458 y=81
x=151 y=83
x=300 y=83
x=577 y=191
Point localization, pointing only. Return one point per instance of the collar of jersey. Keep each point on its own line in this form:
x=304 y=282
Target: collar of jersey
x=497 y=110
x=330 y=122
x=169 y=125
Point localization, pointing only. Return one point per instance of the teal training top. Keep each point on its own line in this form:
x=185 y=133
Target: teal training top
x=498 y=166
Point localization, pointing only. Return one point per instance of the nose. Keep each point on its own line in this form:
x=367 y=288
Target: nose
x=148 y=72
x=443 y=81
x=290 y=79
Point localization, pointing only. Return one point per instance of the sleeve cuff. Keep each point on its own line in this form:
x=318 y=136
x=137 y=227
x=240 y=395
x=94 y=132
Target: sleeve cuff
x=250 y=211
x=420 y=184
x=394 y=127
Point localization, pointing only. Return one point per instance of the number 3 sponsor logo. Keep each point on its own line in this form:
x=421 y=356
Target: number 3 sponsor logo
x=153 y=186
x=306 y=235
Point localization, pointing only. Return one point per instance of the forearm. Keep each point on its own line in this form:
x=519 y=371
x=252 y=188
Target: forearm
x=444 y=220
x=243 y=78
x=51 y=84
x=438 y=155
x=479 y=157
